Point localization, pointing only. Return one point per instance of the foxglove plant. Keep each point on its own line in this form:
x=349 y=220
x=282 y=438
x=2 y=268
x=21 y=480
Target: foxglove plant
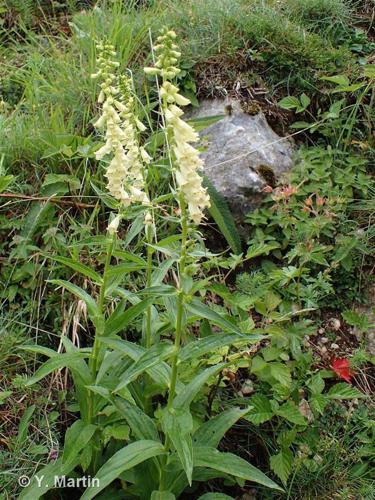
x=136 y=421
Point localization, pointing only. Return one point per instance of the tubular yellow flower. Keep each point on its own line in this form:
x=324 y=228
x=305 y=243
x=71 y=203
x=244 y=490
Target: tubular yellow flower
x=125 y=172
x=181 y=134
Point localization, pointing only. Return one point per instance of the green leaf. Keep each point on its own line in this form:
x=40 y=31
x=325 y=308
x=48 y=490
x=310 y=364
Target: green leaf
x=211 y=343
x=223 y=217
x=150 y=358
x=261 y=410
x=215 y=496
x=305 y=100
x=281 y=373
x=4 y=395
x=282 y=464
x=344 y=391
x=337 y=79
x=124 y=459
x=76 y=438
x=24 y=426
x=227 y=463
x=77 y=266
x=64 y=360
x=162 y=495
x=47 y=475
x=369 y=71
x=160 y=373
x=290 y=412
x=177 y=425
x=204 y=122
x=289 y=102
x=316 y=384
x=142 y=426
x=124 y=268
x=261 y=249
x=200 y=310
x=186 y=396
x=119 y=322
x=318 y=402
x=211 y=432
x=5 y=181
x=92 y=306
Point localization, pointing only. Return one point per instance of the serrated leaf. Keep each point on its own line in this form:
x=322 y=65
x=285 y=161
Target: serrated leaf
x=289 y=102
x=282 y=464
x=281 y=373
x=344 y=391
x=290 y=412
x=316 y=384
x=261 y=249
x=261 y=410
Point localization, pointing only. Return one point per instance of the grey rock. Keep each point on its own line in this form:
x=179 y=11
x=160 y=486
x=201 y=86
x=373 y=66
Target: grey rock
x=241 y=153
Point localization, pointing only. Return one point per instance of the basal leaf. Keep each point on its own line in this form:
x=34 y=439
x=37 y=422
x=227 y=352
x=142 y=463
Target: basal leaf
x=124 y=459
x=227 y=463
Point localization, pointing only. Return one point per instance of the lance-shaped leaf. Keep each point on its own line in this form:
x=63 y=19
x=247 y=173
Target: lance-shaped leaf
x=200 y=310
x=124 y=459
x=76 y=438
x=142 y=426
x=120 y=321
x=78 y=266
x=160 y=373
x=206 y=456
x=153 y=356
x=65 y=360
x=186 y=396
x=210 y=433
x=177 y=425
x=201 y=347
x=92 y=307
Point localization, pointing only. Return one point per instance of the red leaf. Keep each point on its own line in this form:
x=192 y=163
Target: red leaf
x=342 y=368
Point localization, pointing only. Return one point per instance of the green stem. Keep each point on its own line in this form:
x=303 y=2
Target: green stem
x=100 y=327
x=149 y=309
x=180 y=302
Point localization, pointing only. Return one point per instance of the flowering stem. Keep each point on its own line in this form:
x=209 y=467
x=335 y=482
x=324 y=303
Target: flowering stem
x=149 y=309
x=180 y=301
x=100 y=328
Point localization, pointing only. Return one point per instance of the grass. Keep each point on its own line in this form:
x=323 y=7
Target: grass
x=46 y=128
x=47 y=83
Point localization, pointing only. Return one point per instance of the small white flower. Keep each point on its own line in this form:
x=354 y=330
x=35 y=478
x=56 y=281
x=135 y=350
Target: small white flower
x=113 y=226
